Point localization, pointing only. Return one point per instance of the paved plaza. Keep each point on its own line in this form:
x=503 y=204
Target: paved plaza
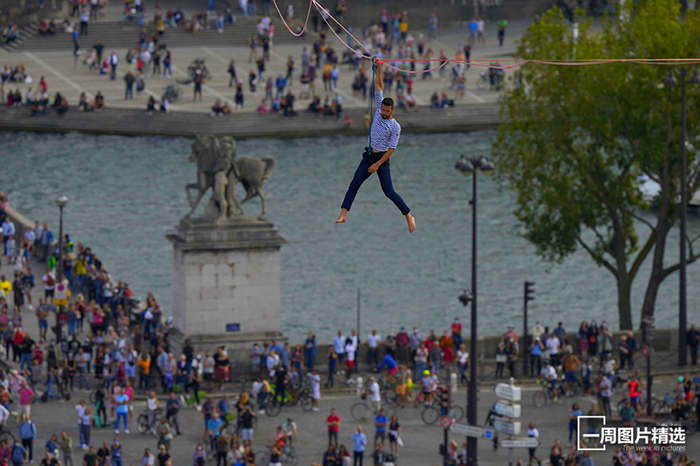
x=69 y=78
x=421 y=441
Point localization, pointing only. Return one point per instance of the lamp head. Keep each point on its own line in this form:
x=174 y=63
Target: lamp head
x=484 y=164
x=466 y=297
x=464 y=166
x=62 y=201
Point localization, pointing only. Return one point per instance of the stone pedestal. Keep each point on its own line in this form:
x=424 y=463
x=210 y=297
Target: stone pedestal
x=226 y=283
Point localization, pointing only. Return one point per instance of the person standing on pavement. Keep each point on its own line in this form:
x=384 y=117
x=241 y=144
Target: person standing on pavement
x=573 y=421
x=27 y=432
x=232 y=73
x=113 y=63
x=604 y=385
x=360 y=443
x=332 y=364
x=76 y=46
x=315 y=381
x=198 y=81
x=339 y=346
x=310 y=351
x=375 y=394
x=129 y=80
x=333 y=424
x=532 y=432
x=122 y=401
x=373 y=352
x=172 y=408
x=247 y=414
x=394 y=436
x=66 y=447
x=26 y=396
x=84 y=17
x=380 y=422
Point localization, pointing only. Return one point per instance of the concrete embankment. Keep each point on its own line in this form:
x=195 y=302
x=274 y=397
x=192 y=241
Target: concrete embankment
x=242 y=125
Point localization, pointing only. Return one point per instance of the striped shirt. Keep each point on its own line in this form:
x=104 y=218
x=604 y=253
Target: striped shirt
x=384 y=134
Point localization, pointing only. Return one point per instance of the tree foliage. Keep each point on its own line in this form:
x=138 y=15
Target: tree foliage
x=574 y=140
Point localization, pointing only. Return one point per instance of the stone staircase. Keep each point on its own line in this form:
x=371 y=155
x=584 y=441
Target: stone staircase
x=25 y=33
x=123 y=34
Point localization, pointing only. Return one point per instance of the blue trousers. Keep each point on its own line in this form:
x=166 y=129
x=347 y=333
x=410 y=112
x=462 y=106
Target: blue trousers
x=85 y=434
x=123 y=417
x=384 y=173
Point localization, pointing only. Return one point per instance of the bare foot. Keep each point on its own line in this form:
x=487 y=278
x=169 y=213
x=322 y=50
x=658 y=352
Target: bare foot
x=341 y=217
x=411 y=220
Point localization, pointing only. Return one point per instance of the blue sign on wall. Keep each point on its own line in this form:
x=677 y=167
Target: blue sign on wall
x=233 y=327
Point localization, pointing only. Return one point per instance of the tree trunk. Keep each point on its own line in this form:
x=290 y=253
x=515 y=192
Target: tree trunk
x=663 y=226
x=624 y=302
x=655 y=278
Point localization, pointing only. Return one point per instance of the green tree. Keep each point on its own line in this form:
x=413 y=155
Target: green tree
x=574 y=141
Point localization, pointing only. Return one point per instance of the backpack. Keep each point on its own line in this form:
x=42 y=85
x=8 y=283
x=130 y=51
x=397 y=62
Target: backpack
x=18 y=453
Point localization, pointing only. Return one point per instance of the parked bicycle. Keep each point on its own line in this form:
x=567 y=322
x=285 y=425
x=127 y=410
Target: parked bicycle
x=362 y=410
x=431 y=413
x=292 y=398
x=142 y=422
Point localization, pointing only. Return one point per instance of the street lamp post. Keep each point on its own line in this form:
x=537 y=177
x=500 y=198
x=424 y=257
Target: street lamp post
x=470 y=166
x=61 y=203
x=682 y=284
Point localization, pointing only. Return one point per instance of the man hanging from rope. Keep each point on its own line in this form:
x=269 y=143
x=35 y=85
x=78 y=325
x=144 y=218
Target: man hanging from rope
x=383 y=139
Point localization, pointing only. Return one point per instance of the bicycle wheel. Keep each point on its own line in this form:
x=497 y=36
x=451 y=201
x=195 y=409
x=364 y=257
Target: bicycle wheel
x=456 y=413
x=273 y=409
x=430 y=415
x=573 y=390
x=295 y=383
x=539 y=398
x=360 y=411
x=389 y=409
x=142 y=423
x=7 y=437
x=307 y=403
x=390 y=397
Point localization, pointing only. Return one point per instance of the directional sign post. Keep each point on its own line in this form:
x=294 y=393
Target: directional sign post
x=506 y=409
x=508 y=392
x=523 y=442
x=471 y=431
x=507 y=426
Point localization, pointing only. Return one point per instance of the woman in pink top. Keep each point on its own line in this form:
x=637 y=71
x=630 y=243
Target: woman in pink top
x=26 y=394
x=129 y=391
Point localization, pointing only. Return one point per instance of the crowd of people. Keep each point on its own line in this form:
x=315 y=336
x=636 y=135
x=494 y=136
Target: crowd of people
x=388 y=35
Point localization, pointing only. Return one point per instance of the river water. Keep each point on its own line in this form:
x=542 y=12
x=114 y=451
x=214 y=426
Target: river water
x=127 y=192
